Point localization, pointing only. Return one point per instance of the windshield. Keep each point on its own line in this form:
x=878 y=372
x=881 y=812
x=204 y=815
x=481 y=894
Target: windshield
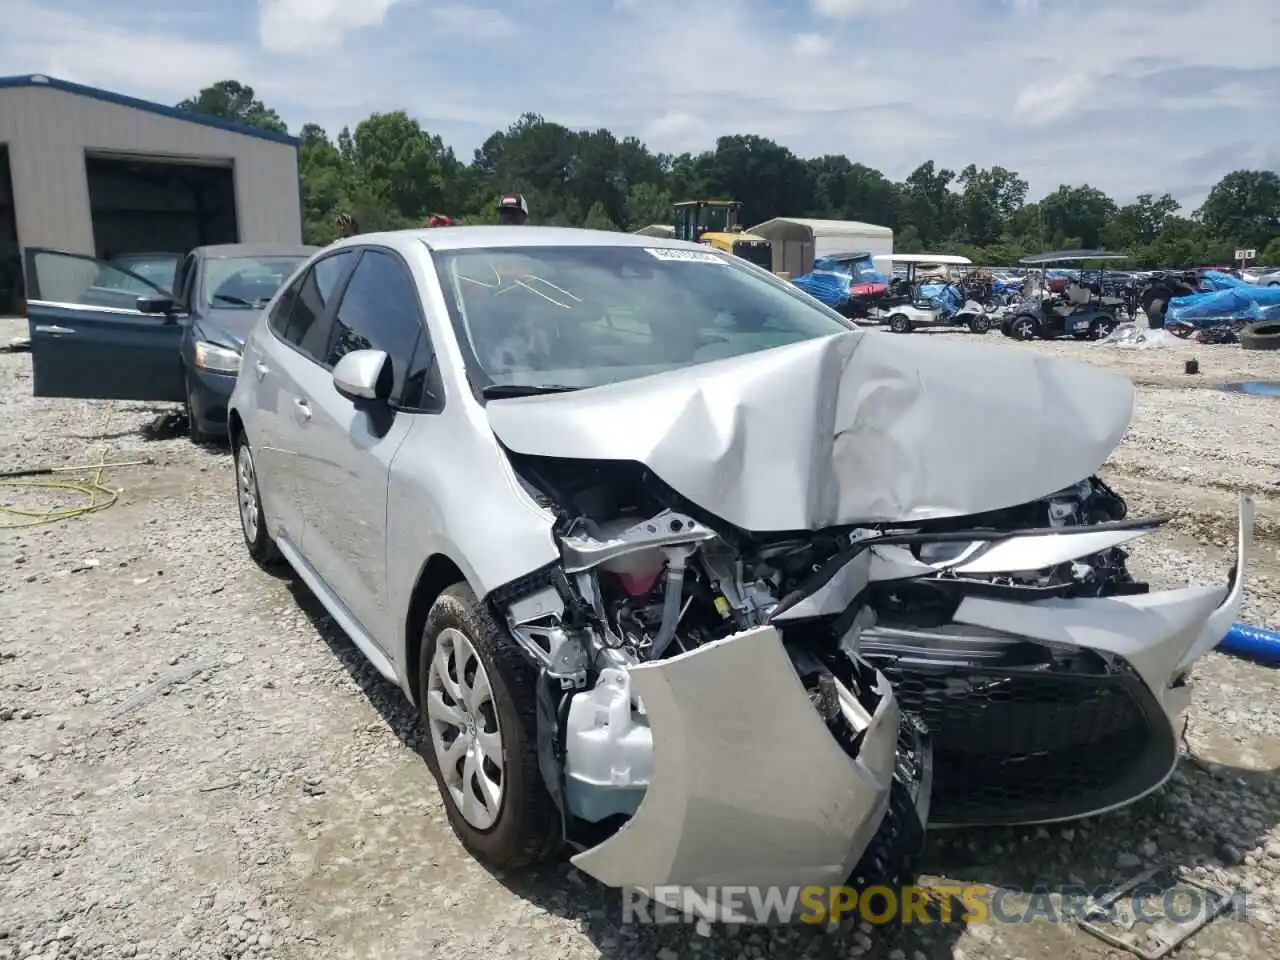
x=240 y=282
x=157 y=269
x=573 y=317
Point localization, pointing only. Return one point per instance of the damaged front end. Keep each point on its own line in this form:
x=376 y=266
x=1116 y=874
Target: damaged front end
x=772 y=537
x=677 y=718
x=701 y=684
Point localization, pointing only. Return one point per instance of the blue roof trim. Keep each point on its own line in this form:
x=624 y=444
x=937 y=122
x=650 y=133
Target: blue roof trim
x=218 y=123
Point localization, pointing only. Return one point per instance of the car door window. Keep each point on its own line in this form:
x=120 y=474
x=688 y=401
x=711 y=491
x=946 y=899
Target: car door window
x=380 y=311
x=298 y=316
x=57 y=277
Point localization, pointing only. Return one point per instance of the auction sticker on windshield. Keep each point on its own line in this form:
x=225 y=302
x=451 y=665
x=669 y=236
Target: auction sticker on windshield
x=683 y=256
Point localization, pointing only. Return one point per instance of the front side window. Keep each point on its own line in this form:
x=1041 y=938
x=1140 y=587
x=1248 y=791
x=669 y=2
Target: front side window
x=379 y=311
x=586 y=316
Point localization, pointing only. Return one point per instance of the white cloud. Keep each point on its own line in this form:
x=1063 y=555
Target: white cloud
x=809 y=45
x=841 y=9
x=313 y=26
x=110 y=54
x=472 y=22
x=1007 y=86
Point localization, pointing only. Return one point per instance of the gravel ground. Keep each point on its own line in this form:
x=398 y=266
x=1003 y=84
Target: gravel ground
x=194 y=762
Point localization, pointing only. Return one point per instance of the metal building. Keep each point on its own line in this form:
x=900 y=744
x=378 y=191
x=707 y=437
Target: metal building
x=97 y=173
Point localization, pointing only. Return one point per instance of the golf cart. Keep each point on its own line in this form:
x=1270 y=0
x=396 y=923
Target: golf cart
x=930 y=295
x=1081 y=311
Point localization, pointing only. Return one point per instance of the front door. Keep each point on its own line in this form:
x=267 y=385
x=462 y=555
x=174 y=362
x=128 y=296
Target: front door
x=90 y=339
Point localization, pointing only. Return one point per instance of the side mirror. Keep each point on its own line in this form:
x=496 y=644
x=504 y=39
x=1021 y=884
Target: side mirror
x=157 y=305
x=364 y=375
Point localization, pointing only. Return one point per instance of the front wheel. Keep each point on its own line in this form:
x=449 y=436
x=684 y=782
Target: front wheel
x=900 y=323
x=197 y=435
x=980 y=325
x=478 y=699
x=1103 y=327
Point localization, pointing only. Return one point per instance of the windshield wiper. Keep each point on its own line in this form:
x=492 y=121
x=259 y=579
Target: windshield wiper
x=234 y=301
x=496 y=391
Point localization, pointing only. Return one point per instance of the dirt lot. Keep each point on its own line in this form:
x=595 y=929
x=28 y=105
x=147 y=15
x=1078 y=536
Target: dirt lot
x=195 y=763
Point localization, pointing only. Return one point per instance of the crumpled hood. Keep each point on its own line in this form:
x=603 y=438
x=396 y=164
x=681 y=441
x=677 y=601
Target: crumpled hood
x=854 y=428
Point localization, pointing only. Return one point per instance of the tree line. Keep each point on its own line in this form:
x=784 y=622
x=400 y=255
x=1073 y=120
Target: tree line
x=389 y=172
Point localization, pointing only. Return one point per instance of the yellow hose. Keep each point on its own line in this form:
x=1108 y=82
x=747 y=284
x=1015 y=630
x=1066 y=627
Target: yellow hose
x=96 y=494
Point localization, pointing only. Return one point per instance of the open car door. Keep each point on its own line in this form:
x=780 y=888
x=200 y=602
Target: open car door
x=90 y=339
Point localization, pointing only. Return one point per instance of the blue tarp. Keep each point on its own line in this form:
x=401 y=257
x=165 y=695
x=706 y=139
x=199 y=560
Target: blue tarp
x=944 y=295
x=830 y=279
x=1213 y=280
x=1231 y=300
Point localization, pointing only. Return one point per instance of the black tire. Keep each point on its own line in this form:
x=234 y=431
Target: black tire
x=527 y=829
x=1102 y=327
x=980 y=325
x=1154 y=310
x=1261 y=336
x=900 y=323
x=198 y=436
x=253 y=522
x=1024 y=327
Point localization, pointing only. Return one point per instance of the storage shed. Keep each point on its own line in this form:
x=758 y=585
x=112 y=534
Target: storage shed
x=98 y=173
x=797 y=241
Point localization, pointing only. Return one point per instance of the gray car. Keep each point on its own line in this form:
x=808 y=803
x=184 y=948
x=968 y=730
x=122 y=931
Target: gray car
x=650 y=536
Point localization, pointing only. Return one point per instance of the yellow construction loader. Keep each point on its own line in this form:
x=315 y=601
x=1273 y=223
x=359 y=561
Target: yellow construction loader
x=715 y=223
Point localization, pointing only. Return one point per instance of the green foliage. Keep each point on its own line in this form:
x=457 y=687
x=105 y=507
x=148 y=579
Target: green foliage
x=388 y=172
x=232 y=100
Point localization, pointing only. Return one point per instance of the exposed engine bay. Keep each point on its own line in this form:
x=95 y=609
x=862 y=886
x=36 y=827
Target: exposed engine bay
x=646 y=576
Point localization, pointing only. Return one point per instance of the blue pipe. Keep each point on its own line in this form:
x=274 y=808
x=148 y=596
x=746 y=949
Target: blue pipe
x=1246 y=640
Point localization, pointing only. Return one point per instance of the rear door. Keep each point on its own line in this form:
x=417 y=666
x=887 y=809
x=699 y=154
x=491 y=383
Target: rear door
x=351 y=448
x=288 y=357
x=88 y=337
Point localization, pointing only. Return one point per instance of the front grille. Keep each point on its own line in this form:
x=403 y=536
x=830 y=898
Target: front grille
x=1018 y=743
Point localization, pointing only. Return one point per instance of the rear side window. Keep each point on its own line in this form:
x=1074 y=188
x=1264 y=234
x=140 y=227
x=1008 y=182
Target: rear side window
x=298 y=315
x=380 y=311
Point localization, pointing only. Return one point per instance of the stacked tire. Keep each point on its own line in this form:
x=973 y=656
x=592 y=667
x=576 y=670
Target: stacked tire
x=1261 y=336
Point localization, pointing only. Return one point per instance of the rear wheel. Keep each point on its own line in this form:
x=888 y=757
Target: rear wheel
x=900 y=323
x=980 y=325
x=253 y=523
x=1023 y=328
x=477 y=696
x=1102 y=327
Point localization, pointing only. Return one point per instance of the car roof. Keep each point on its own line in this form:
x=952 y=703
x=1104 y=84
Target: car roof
x=491 y=237
x=1063 y=256
x=226 y=251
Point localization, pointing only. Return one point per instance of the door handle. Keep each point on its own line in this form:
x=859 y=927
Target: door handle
x=54 y=329
x=261 y=369
x=302 y=407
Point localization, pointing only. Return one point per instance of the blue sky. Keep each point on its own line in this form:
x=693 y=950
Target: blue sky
x=1135 y=96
